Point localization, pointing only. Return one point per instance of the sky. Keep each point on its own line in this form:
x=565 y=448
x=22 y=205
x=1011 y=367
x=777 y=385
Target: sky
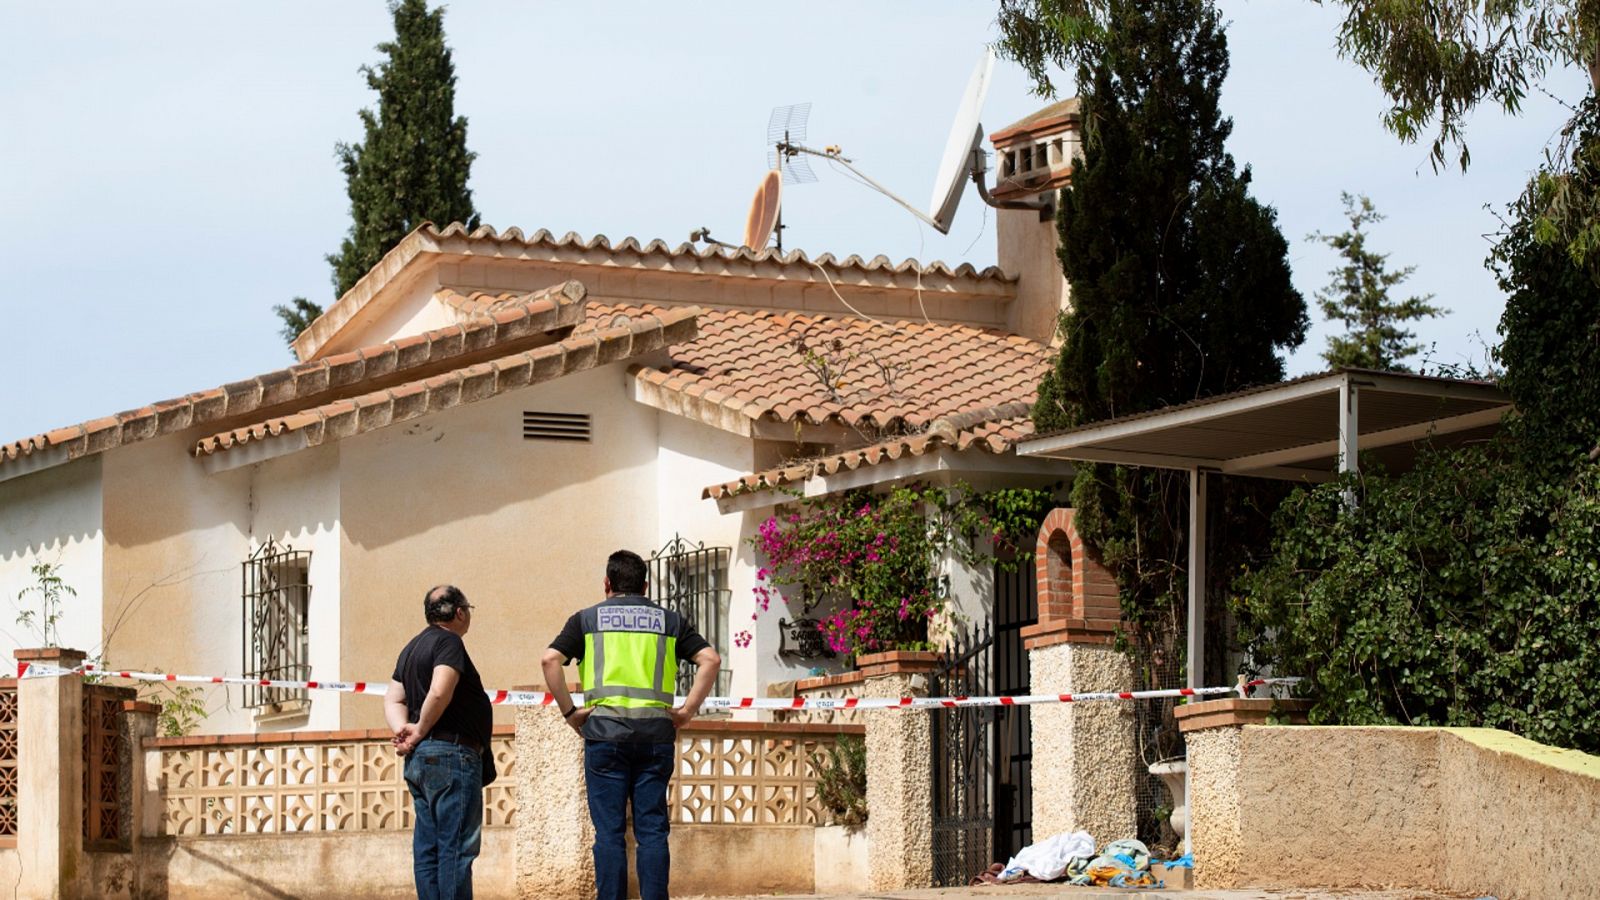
x=167 y=169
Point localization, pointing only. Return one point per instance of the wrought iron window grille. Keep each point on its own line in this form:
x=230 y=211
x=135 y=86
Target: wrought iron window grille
x=276 y=589
x=691 y=579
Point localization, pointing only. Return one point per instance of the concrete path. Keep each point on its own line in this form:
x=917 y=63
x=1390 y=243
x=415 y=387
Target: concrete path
x=1069 y=892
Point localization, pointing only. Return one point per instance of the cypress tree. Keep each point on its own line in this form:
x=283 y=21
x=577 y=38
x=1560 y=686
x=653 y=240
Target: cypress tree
x=1180 y=284
x=413 y=163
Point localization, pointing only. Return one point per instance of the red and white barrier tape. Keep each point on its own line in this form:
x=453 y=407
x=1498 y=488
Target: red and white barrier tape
x=542 y=698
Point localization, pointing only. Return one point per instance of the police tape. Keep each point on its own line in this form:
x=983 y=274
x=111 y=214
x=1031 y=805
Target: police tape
x=544 y=698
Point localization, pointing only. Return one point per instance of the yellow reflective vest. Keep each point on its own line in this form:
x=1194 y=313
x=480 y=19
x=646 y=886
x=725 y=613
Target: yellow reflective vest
x=630 y=659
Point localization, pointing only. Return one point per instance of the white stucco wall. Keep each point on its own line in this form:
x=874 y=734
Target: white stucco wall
x=52 y=516
x=414 y=312
x=295 y=501
x=522 y=527
x=692 y=456
x=175 y=539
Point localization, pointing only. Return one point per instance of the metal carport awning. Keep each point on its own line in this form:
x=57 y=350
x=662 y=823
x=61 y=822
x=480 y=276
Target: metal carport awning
x=1306 y=429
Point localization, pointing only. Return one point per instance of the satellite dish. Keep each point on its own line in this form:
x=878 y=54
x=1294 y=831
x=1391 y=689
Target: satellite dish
x=763 y=211
x=965 y=136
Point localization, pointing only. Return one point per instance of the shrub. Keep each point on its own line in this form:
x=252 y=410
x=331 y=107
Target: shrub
x=842 y=781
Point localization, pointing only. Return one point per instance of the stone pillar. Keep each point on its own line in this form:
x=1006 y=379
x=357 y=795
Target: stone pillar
x=899 y=774
x=1084 y=754
x=1212 y=731
x=141 y=771
x=554 y=837
x=50 y=780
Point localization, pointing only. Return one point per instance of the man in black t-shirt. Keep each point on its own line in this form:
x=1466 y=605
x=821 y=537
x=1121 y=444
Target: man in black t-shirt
x=628 y=650
x=440 y=716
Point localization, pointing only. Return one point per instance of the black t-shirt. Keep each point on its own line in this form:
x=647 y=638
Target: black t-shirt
x=569 y=643
x=468 y=713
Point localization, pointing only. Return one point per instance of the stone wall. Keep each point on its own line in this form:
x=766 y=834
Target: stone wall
x=1459 y=809
x=1083 y=754
x=899 y=788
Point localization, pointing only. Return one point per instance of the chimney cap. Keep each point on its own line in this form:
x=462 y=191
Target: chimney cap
x=1057 y=117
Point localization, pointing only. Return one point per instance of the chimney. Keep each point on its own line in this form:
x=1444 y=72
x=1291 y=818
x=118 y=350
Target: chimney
x=1033 y=158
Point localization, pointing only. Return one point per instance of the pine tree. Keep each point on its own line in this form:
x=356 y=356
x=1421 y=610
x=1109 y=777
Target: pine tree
x=1358 y=296
x=1179 y=279
x=413 y=164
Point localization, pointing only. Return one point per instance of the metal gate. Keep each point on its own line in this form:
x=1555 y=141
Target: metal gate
x=983 y=756
x=692 y=581
x=963 y=764
x=1016 y=606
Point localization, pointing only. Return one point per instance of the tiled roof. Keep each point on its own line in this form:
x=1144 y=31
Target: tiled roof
x=356 y=415
x=993 y=429
x=655 y=255
x=814 y=369
x=573 y=240
x=514 y=325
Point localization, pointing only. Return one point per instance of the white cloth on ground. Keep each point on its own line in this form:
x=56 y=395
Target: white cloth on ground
x=1046 y=860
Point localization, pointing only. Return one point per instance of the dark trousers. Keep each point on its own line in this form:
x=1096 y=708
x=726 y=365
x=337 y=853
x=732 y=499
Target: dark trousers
x=618 y=772
x=446 y=782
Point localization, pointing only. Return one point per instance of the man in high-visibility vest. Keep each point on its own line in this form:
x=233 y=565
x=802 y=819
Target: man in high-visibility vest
x=628 y=651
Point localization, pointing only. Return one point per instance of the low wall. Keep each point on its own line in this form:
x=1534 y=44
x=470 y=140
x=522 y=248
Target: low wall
x=1465 y=809
x=355 y=865
x=706 y=859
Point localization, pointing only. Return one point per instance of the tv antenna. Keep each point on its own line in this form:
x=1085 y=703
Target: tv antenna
x=963 y=155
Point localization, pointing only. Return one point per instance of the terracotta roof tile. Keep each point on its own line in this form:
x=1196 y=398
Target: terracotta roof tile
x=529 y=316
x=852 y=371
x=992 y=429
x=378 y=409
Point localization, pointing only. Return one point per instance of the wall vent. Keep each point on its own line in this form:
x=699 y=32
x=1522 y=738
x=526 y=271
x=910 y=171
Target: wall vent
x=555 y=426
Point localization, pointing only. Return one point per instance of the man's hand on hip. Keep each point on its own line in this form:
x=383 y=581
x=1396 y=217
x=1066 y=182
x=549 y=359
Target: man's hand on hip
x=683 y=715
x=578 y=717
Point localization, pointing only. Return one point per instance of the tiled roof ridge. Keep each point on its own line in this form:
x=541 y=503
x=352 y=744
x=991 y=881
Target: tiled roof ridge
x=957 y=431
x=559 y=306
x=356 y=415
x=547 y=238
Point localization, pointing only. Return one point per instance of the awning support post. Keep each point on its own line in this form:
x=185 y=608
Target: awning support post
x=1349 y=434
x=1197 y=578
x=1195 y=663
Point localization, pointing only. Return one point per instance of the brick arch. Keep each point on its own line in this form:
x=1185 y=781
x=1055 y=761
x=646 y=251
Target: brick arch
x=1075 y=588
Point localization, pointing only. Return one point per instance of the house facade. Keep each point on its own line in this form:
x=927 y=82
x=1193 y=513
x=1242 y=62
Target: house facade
x=500 y=411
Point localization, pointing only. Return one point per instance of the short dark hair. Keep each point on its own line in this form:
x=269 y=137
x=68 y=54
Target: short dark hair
x=441 y=603
x=627 y=573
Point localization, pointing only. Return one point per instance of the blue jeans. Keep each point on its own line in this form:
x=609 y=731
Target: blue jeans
x=446 y=782
x=615 y=773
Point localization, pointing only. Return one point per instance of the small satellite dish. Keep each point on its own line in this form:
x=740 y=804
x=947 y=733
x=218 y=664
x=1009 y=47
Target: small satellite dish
x=966 y=135
x=763 y=211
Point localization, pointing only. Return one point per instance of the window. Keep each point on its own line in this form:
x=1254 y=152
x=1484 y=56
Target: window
x=692 y=580
x=277 y=595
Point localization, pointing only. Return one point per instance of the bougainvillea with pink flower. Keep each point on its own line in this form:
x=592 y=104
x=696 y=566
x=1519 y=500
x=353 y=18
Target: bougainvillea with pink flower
x=868 y=563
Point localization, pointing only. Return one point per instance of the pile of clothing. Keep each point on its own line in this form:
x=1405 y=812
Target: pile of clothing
x=1071 y=857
